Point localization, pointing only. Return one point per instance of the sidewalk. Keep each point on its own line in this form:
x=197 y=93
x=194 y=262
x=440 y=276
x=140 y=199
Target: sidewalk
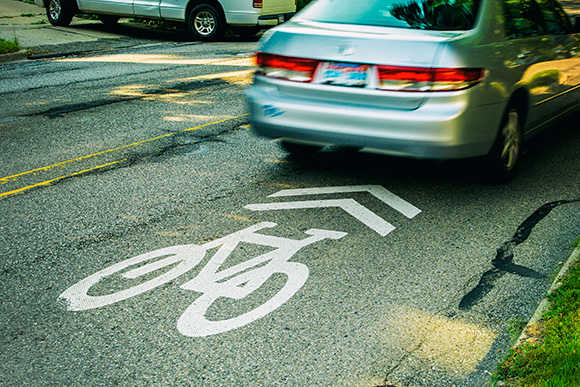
x=28 y=23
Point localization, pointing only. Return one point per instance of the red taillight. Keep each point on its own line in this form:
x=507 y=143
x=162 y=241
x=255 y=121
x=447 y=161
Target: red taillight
x=390 y=78
x=258 y=3
x=285 y=67
x=396 y=78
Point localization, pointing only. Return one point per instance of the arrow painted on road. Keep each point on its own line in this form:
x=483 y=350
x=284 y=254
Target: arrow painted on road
x=351 y=206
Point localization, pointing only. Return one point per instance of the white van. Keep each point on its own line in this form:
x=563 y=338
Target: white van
x=206 y=19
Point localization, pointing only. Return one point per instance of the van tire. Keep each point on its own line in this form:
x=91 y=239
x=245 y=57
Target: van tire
x=205 y=22
x=60 y=12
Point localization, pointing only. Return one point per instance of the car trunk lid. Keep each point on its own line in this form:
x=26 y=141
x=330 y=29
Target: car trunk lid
x=337 y=47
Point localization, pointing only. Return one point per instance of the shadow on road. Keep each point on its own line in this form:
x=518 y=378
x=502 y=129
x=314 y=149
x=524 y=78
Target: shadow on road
x=158 y=31
x=541 y=156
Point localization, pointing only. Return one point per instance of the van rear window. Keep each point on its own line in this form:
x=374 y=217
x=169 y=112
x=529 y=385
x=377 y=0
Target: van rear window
x=415 y=14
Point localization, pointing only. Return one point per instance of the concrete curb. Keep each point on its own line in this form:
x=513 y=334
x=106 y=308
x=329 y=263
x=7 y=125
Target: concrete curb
x=13 y=56
x=529 y=332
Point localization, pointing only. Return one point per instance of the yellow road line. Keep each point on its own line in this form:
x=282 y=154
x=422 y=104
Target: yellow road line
x=15 y=177
x=48 y=182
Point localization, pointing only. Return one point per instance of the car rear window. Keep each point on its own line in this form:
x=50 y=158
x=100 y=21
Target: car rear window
x=415 y=14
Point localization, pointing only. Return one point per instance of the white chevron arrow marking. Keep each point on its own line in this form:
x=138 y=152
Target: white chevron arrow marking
x=349 y=205
x=363 y=214
x=377 y=191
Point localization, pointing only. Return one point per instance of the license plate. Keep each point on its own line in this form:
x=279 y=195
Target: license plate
x=280 y=19
x=345 y=74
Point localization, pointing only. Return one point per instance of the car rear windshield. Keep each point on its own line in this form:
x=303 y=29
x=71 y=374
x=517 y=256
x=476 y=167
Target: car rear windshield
x=416 y=14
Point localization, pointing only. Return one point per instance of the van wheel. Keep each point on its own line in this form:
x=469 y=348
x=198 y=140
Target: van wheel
x=59 y=12
x=503 y=160
x=205 y=22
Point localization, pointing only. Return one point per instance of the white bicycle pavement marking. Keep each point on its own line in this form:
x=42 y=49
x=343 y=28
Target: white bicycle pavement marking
x=235 y=282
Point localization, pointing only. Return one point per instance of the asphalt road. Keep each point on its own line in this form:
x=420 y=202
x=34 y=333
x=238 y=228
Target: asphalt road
x=120 y=153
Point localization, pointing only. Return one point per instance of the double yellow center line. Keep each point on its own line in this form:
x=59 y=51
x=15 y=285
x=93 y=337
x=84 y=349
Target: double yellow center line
x=12 y=178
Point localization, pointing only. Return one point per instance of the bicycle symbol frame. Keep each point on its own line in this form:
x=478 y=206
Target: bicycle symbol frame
x=236 y=282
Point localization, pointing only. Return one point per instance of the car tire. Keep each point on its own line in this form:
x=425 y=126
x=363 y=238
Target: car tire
x=503 y=160
x=205 y=23
x=108 y=20
x=60 y=12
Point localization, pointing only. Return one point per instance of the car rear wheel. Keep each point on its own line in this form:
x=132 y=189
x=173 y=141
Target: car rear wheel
x=205 y=22
x=59 y=12
x=503 y=160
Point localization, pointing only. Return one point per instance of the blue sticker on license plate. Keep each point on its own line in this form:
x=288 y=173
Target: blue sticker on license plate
x=344 y=74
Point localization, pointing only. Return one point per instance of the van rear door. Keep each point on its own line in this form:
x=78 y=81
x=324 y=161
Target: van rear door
x=271 y=7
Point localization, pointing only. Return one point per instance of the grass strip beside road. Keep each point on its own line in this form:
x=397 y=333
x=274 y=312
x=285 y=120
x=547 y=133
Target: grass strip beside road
x=552 y=357
x=8 y=46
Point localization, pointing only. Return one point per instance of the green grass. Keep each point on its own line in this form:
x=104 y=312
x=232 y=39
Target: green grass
x=7 y=46
x=555 y=360
x=161 y=24
x=515 y=328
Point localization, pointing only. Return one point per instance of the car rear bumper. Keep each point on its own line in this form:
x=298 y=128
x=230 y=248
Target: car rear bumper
x=447 y=126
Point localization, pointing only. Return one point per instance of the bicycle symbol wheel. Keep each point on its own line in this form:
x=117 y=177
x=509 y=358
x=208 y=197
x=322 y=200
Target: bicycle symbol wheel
x=187 y=257
x=193 y=321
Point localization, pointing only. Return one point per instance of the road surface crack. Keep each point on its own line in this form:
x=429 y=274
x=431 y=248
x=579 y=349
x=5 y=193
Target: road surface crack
x=503 y=261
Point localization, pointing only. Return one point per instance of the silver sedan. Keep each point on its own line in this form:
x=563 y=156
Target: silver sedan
x=435 y=79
